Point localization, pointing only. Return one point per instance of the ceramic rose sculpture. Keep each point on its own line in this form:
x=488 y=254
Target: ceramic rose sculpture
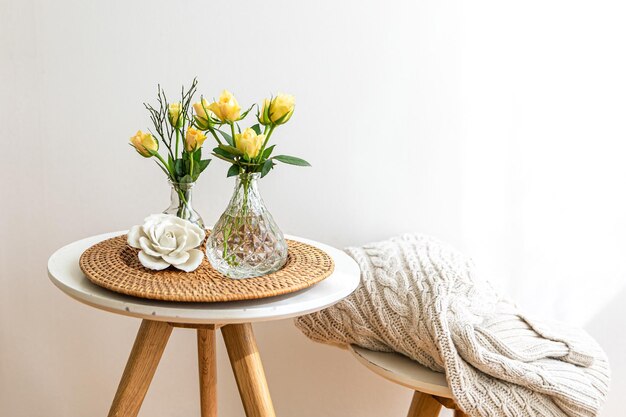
x=166 y=240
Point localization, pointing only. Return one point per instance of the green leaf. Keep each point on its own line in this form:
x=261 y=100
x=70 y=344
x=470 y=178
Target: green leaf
x=232 y=171
x=257 y=129
x=267 y=167
x=179 y=168
x=200 y=123
x=231 y=150
x=202 y=164
x=186 y=179
x=252 y=164
x=292 y=160
x=197 y=155
x=224 y=158
x=226 y=137
x=268 y=151
x=245 y=113
x=198 y=167
x=224 y=153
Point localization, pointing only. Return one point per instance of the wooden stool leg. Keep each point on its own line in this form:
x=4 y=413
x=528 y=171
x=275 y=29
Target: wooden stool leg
x=424 y=405
x=140 y=368
x=459 y=413
x=248 y=369
x=208 y=372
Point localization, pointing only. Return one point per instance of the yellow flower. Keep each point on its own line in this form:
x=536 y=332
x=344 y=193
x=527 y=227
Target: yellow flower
x=200 y=107
x=194 y=139
x=226 y=107
x=278 y=110
x=249 y=143
x=203 y=114
x=264 y=117
x=144 y=143
x=174 y=114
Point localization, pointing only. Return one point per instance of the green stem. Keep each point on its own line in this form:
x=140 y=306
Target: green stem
x=180 y=193
x=183 y=209
x=219 y=142
x=177 y=140
x=237 y=220
x=166 y=166
x=267 y=138
x=232 y=130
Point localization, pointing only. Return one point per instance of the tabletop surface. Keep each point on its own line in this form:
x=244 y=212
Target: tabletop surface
x=65 y=273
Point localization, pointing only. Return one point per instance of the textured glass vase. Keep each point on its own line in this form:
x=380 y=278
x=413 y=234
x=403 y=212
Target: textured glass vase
x=246 y=242
x=181 y=203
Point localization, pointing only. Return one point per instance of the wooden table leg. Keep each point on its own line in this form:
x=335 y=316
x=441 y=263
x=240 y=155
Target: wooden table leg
x=140 y=368
x=424 y=405
x=208 y=372
x=248 y=369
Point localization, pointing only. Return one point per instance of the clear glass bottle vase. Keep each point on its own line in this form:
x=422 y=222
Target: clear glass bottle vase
x=246 y=242
x=181 y=200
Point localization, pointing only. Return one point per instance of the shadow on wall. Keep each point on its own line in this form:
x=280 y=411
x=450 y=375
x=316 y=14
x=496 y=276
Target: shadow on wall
x=607 y=327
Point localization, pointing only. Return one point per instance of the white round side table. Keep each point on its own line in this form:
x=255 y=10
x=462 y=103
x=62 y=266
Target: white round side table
x=234 y=319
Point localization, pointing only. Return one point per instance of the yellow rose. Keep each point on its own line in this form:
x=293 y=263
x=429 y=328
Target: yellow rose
x=226 y=107
x=249 y=143
x=144 y=143
x=174 y=114
x=194 y=139
x=264 y=117
x=203 y=114
x=277 y=110
x=200 y=107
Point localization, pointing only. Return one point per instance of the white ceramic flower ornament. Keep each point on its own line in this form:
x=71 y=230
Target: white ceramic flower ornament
x=167 y=240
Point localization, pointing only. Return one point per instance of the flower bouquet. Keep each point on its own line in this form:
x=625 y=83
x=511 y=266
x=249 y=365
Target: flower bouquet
x=245 y=241
x=173 y=124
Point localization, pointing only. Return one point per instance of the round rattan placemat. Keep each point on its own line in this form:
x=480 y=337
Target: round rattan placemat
x=114 y=265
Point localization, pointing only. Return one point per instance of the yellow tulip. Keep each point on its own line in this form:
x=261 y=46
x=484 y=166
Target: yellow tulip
x=194 y=139
x=144 y=143
x=249 y=143
x=174 y=114
x=278 y=110
x=226 y=108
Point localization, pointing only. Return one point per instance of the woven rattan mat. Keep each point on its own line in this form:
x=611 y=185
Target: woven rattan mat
x=114 y=265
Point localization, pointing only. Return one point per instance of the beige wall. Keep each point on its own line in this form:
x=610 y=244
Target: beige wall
x=494 y=125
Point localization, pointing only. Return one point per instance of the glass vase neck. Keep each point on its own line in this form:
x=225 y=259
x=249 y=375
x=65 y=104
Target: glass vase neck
x=181 y=202
x=248 y=177
x=185 y=186
x=181 y=192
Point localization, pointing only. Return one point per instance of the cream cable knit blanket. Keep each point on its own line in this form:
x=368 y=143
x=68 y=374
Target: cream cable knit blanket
x=423 y=299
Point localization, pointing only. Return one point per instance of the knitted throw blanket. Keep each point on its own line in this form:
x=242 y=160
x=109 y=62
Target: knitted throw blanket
x=423 y=299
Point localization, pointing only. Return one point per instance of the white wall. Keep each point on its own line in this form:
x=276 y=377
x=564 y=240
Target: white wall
x=497 y=126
